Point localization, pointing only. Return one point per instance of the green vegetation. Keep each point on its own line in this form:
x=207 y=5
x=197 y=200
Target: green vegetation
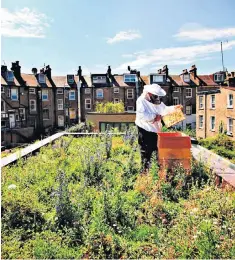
x=110 y=107
x=220 y=144
x=85 y=198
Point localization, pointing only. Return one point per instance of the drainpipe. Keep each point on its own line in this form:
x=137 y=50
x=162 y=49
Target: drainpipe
x=205 y=115
x=79 y=101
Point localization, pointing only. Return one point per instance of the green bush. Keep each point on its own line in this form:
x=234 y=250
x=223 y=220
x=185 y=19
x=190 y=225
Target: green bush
x=110 y=107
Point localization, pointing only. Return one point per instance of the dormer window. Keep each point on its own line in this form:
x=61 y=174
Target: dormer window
x=99 y=79
x=219 y=77
x=158 y=78
x=129 y=78
x=41 y=78
x=10 y=76
x=186 y=77
x=70 y=79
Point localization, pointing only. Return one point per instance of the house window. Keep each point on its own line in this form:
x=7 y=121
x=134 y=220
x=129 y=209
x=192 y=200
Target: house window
x=158 y=78
x=200 y=121
x=88 y=103
x=3 y=106
x=99 y=79
x=44 y=94
x=60 y=120
x=59 y=91
x=129 y=78
x=32 y=91
x=130 y=93
x=116 y=100
x=116 y=90
x=230 y=126
x=72 y=95
x=8 y=93
x=87 y=91
x=14 y=94
x=130 y=108
x=212 y=123
x=212 y=101
x=186 y=77
x=3 y=124
x=230 y=101
x=45 y=113
x=21 y=114
x=175 y=101
x=72 y=113
x=60 y=104
x=219 y=77
x=188 y=92
x=188 y=110
x=201 y=102
x=2 y=89
x=32 y=105
x=41 y=78
x=99 y=93
x=176 y=89
x=70 y=79
x=10 y=76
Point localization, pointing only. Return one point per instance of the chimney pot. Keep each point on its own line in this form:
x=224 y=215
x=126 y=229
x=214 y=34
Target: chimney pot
x=159 y=71
x=129 y=68
x=79 y=71
x=185 y=71
x=17 y=63
x=233 y=74
x=35 y=71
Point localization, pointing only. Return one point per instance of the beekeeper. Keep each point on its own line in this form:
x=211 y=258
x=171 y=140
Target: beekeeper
x=149 y=110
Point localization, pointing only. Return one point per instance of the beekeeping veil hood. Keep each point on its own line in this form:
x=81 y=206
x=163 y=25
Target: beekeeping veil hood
x=154 y=89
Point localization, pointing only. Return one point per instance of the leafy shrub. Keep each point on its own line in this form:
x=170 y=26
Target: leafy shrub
x=110 y=107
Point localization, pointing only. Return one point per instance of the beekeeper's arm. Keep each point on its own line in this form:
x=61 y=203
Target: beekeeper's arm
x=143 y=113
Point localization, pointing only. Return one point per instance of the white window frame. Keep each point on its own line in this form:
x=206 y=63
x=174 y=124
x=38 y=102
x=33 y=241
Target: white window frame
x=188 y=110
x=2 y=89
x=218 y=75
x=71 y=96
x=176 y=89
x=10 y=76
x=228 y=101
x=87 y=91
x=35 y=105
x=132 y=78
x=116 y=90
x=45 y=93
x=130 y=94
x=9 y=92
x=99 y=79
x=98 y=93
x=186 y=78
x=60 y=91
x=191 y=92
x=201 y=103
x=17 y=94
x=4 y=106
x=212 y=102
x=60 y=104
x=32 y=91
x=41 y=78
x=22 y=112
x=229 y=125
x=154 y=80
x=116 y=100
x=211 y=126
x=176 y=103
x=201 y=121
x=130 y=108
x=88 y=103
x=48 y=113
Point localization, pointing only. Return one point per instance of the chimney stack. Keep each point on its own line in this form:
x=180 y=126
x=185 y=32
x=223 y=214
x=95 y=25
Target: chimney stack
x=233 y=74
x=35 y=71
x=48 y=71
x=129 y=68
x=193 y=70
x=185 y=71
x=165 y=70
x=159 y=71
x=138 y=74
x=109 y=71
x=16 y=68
x=79 y=73
x=3 y=69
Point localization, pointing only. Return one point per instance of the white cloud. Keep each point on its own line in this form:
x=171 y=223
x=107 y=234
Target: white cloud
x=174 y=56
x=24 y=23
x=204 y=34
x=124 y=36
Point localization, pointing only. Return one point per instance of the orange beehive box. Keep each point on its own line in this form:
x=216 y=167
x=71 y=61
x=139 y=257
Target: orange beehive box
x=174 y=149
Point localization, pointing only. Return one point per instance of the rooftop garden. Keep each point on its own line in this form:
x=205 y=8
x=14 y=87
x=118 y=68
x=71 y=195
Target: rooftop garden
x=109 y=107
x=85 y=198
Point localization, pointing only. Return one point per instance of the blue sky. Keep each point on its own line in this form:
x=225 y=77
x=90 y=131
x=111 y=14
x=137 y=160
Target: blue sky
x=95 y=33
